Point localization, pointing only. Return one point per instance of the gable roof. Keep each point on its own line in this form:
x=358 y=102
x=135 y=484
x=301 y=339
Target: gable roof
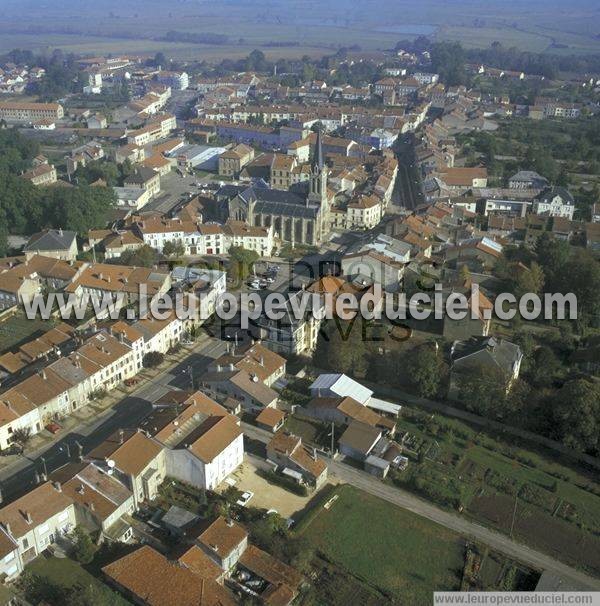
x=341 y=385
x=51 y=239
x=156 y=581
x=41 y=503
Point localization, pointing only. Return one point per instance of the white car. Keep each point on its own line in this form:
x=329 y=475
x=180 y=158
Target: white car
x=243 y=500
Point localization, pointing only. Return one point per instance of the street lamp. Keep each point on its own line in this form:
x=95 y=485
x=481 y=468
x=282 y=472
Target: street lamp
x=45 y=474
x=190 y=370
x=67 y=448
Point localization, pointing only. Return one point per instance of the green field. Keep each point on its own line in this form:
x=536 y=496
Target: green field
x=402 y=554
x=18 y=329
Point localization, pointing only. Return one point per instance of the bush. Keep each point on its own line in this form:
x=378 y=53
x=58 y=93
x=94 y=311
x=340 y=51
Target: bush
x=83 y=547
x=153 y=359
x=285 y=482
x=98 y=394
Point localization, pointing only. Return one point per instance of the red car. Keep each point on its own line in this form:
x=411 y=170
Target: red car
x=53 y=428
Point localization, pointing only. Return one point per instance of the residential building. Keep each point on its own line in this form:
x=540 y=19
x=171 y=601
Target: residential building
x=144 y=178
x=527 y=179
x=203 y=442
x=54 y=243
x=290 y=455
x=13 y=111
x=233 y=160
x=36 y=520
x=498 y=360
x=555 y=202
x=43 y=174
x=224 y=541
x=148 y=578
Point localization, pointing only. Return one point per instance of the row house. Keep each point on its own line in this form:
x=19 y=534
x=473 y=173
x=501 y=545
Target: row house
x=122 y=284
x=159 y=128
x=33 y=523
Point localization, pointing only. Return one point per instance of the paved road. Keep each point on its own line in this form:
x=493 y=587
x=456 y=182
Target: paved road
x=407 y=191
x=350 y=475
x=18 y=478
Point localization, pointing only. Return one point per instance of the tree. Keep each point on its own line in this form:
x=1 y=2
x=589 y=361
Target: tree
x=91 y=594
x=22 y=436
x=546 y=367
x=241 y=262
x=426 y=371
x=342 y=347
x=448 y=60
x=83 y=549
x=174 y=247
x=145 y=256
x=529 y=280
x=153 y=359
x=481 y=390
x=577 y=415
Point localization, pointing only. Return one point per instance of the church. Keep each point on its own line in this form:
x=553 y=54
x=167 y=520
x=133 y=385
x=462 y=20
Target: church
x=298 y=216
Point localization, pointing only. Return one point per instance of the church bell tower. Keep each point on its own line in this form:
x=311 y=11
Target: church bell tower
x=317 y=192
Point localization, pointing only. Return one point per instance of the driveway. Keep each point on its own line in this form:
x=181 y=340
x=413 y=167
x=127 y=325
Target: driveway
x=266 y=495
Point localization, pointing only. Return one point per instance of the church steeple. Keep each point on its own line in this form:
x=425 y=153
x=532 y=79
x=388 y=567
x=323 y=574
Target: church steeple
x=318 y=175
x=317 y=162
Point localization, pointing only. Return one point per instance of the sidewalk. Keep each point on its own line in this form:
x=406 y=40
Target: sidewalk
x=97 y=410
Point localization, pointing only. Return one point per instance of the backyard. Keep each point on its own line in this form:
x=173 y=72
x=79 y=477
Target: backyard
x=17 y=329
x=53 y=578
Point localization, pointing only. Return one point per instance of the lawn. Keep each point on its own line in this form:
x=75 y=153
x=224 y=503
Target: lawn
x=400 y=553
x=65 y=573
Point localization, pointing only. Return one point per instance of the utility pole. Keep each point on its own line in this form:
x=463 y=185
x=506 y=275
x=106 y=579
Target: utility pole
x=512 y=524
x=332 y=437
x=79 y=450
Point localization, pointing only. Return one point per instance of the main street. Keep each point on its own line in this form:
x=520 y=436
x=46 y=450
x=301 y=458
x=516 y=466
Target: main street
x=407 y=194
x=350 y=475
x=19 y=477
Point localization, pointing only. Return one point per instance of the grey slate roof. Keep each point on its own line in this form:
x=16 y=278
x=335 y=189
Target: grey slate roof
x=551 y=192
x=51 y=239
x=486 y=350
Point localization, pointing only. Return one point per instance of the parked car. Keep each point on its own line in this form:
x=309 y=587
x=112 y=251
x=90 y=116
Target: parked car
x=53 y=428
x=243 y=500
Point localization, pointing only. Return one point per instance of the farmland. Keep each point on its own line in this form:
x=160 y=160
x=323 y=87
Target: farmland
x=556 y=509
x=292 y=28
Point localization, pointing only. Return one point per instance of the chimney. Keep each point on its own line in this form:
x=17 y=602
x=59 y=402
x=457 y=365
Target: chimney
x=261 y=361
x=230 y=522
x=57 y=486
x=43 y=374
x=92 y=507
x=27 y=517
x=121 y=436
x=7 y=527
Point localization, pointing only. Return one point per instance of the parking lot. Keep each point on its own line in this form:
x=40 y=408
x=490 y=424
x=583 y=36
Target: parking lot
x=266 y=495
